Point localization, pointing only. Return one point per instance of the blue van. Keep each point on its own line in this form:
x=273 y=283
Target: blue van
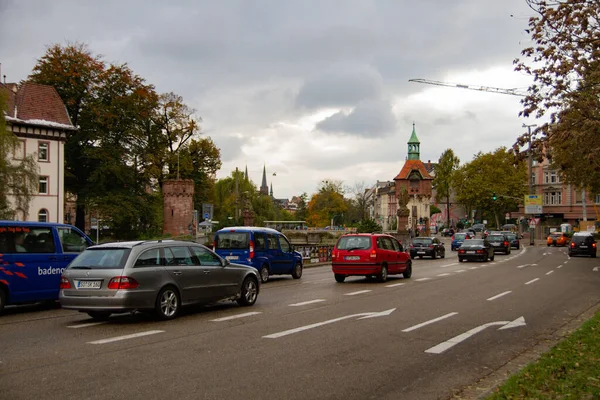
x=32 y=258
x=265 y=249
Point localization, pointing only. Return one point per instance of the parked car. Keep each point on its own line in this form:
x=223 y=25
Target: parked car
x=558 y=239
x=458 y=239
x=510 y=227
x=160 y=276
x=499 y=242
x=478 y=227
x=513 y=238
x=476 y=249
x=371 y=255
x=472 y=234
x=447 y=232
x=33 y=255
x=583 y=243
x=265 y=249
x=427 y=247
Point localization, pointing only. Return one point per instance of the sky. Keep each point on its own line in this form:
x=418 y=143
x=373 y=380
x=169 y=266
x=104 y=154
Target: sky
x=314 y=90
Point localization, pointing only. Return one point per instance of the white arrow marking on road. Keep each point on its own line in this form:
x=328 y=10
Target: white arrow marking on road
x=331 y=321
x=440 y=348
x=307 y=302
x=236 y=316
x=499 y=295
x=596 y=269
x=431 y=321
x=359 y=292
x=531 y=281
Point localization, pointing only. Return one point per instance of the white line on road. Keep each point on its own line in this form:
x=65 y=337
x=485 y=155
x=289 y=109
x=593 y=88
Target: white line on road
x=531 y=281
x=86 y=325
x=473 y=267
x=446 y=274
x=431 y=321
x=125 y=337
x=459 y=271
x=307 y=302
x=248 y=314
x=422 y=279
x=549 y=272
x=395 y=284
x=499 y=295
x=560 y=266
x=448 y=265
x=359 y=292
x=523 y=266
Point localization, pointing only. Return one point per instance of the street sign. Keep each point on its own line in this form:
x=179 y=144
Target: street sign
x=206 y=215
x=533 y=222
x=533 y=204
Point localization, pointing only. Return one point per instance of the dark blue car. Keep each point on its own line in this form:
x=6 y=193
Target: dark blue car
x=265 y=249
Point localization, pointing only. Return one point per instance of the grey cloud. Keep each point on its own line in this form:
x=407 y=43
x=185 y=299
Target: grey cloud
x=372 y=119
x=230 y=146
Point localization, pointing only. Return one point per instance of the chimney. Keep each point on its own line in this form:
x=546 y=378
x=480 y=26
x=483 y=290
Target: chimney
x=429 y=164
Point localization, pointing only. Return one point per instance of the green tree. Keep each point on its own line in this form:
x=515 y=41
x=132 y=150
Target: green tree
x=498 y=172
x=369 y=226
x=433 y=209
x=327 y=204
x=564 y=62
x=302 y=210
x=444 y=178
x=18 y=178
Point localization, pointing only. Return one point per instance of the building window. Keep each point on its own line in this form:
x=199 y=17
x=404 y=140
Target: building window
x=551 y=177
x=19 y=150
x=43 y=151
x=43 y=215
x=533 y=178
x=43 y=189
x=578 y=197
x=597 y=199
x=553 y=198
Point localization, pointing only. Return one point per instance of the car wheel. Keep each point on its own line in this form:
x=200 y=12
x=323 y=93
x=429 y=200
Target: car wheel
x=99 y=315
x=2 y=298
x=264 y=274
x=297 y=271
x=249 y=292
x=340 y=278
x=460 y=259
x=383 y=275
x=408 y=271
x=548 y=245
x=167 y=303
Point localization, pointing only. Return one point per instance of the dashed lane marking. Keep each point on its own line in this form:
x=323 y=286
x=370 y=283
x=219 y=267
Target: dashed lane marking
x=499 y=295
x=422 y=279
x=549 y=272
x=304 y=303
x=359 y=292
x=125 y=337
x=531 y=281
x=248 y=314
x=86 y=325
x=448 y=265
x=395 y=284
x=446 y=274
x=459 y=271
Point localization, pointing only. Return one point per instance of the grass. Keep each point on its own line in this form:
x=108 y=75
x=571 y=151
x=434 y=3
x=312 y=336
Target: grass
x=570 y=370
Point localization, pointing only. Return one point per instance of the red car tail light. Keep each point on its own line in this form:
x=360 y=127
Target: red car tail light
x=452 y=237
x=572 y=244
x=373 y=254
x=251 y=247
x=431 y=247
x=122 y=282
x=333 y=255
x=460 y=251
x=506 y=243
x=594 y=245
x=64 y=283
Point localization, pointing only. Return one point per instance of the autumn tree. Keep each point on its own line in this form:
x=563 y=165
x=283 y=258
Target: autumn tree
x=18 y=178
x=564 y=62
x=327 y=204
x=444 y=177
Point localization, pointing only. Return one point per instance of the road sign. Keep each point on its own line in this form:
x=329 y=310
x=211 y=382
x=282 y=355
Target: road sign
x=206 y=215
x=533 y=204
x=533 y=222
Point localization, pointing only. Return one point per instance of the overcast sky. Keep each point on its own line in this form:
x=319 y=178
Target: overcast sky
x=314 y=90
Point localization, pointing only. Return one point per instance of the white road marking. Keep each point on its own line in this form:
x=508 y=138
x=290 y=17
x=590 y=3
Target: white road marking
x=359 y=292
x=446 y=274
x=559 y=267
x=549 y=272
x=459 y=271
x=306 y=302
x=248 y=314
x=86 y=325
x=499 y=295
x=311 y=326
x=431 y=321
x=422 y=279
x=595 y=269
x=523 y=266
x=474 y=268
x=125 y=337
x=531 y=281
x=448 y=265
x=395 y=284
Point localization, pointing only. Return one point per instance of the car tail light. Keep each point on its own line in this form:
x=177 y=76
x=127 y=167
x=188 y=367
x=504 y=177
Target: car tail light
x=594 y=245
x=333 y=255
x=460 y=251
x=572 y=244
x=251 y=247
x=64 y=283
x=431 y=247
x=506 y=243
x=122 y=282
x=452 y=237
x=480 y=251
x=412 y=247
x=373 y=254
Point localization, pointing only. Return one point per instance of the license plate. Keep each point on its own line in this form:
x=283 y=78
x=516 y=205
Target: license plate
x=471 y=252
x=420 y=252
x=89 y=284
x=232 y=258
x=352 y=257
x=583 y=247
x=495 y=244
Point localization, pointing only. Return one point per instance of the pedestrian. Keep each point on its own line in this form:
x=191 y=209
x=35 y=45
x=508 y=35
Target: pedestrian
x=19 y=243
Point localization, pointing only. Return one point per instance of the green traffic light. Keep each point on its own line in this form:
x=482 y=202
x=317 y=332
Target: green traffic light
x=494 y=197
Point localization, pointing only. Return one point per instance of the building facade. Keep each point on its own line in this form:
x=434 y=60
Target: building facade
x=37 y=116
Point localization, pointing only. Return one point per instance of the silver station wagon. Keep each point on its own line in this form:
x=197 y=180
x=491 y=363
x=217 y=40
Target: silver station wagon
x=159 y=276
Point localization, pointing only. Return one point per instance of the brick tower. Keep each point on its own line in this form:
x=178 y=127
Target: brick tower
x=178 y=195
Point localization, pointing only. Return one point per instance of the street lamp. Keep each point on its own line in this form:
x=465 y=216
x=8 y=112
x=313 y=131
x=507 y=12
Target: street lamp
x=530 y=165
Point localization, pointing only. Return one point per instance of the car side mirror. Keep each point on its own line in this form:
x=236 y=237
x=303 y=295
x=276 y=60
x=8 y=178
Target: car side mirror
x=225 y=262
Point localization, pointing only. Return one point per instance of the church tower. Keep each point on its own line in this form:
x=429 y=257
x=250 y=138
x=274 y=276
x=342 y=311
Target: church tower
x=264 y=188
x=414 y=152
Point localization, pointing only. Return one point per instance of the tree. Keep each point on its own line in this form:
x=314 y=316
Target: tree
x=302 y=210
x=18 y=178
x=488 y=173
x=327 y=204
x=443 y=179
x=361 y=200
x=434 y=210
x=369 y=226
x=565 y=65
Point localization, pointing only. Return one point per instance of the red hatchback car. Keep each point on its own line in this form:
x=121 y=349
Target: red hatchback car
x=370 y=255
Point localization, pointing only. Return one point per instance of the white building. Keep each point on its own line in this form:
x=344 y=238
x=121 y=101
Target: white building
x=37 y=116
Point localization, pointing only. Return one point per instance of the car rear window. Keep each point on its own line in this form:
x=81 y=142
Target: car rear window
x=460 y=236
x=496 y=238
x=232 y=240
x=582 y=239
x=475 y=242
x=354 y=243
x=511 y=236
x=103 y=258
x=422 y=240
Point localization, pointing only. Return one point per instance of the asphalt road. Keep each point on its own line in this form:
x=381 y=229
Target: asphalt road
x=427 y=337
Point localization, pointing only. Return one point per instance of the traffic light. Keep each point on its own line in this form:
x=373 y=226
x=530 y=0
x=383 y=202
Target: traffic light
x=494 y=197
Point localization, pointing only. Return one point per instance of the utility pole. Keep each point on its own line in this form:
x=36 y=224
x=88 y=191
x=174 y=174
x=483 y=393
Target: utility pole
x=530 y=162
x=584 y=204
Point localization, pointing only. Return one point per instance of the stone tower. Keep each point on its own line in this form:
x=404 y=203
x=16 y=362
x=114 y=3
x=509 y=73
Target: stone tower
x=264 y=188
x=178 y=201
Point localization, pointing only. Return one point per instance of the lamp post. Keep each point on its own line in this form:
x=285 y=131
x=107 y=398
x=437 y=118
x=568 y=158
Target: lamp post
x=98 y=230
x=530 y=166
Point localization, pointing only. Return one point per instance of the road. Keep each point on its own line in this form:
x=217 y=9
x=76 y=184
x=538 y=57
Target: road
x=427 y=337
